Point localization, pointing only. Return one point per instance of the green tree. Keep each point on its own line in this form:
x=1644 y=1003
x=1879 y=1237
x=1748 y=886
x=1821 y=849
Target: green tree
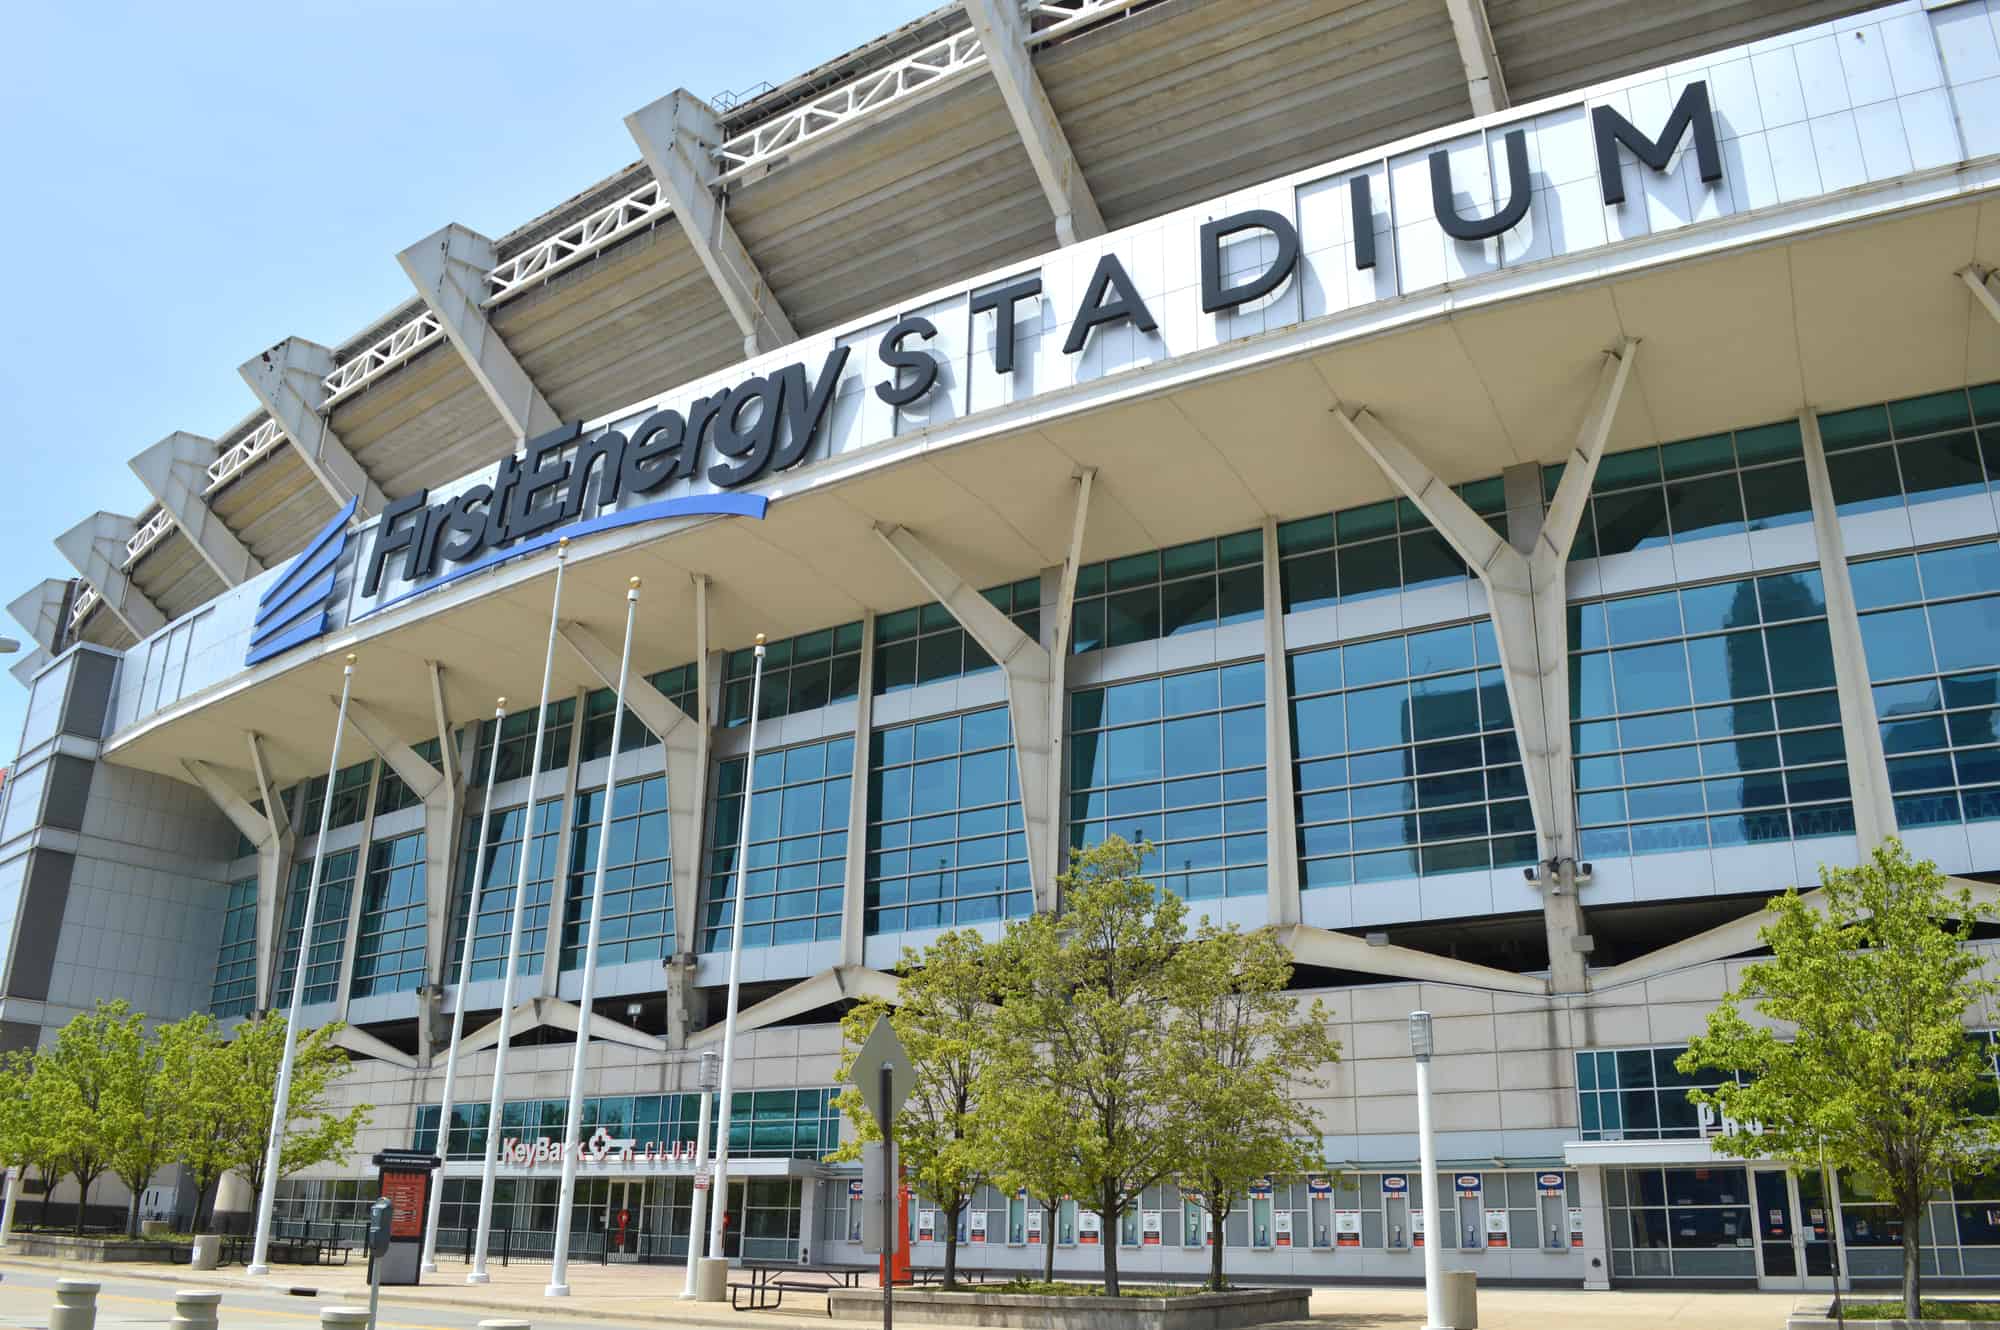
x=314 y=1132
x=212 y=1110
x=17 y=1131
x=138 y=1114
x=88 y=1065
x=944 y=1018
x=1878 y=1075
x=1085 y=1022
x=1239 y=1051
x=1027 y=1133
x=40 y=1145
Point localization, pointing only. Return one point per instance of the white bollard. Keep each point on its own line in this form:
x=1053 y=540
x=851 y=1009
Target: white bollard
x=343 y=1318
x=76 y=1305
x=195 y=1309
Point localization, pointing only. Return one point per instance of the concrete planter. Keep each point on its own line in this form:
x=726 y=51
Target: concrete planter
x=154 y=1228
x=91 y=1249
x=207 y=1251
x=1195 y=1311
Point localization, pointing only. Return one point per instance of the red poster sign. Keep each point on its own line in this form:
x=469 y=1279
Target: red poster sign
x=407 y=1193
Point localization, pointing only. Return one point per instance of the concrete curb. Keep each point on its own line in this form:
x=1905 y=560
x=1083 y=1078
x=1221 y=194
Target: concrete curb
x=276 y=1286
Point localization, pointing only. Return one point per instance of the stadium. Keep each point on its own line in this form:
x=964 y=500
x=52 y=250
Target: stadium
x=1493 y=489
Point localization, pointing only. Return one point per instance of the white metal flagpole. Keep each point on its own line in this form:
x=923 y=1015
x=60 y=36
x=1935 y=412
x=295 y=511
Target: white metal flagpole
x=572 y=1120
x=719 y=1183
x=705 y=1082
x=281 y=1105
x=429 y=1265
x=477 y=1275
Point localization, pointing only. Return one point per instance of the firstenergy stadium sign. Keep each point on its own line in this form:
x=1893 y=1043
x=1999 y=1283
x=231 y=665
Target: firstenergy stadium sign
x=571 y=482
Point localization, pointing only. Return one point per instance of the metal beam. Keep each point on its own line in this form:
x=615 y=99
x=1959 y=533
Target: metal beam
x=1980 y=283
x=1484 y=84
x=95 y=547
x=677 y=135
x=175 y=472
x=359 y=1041
x=841 y=983
x=1344 y=951
x=448 y=267
x=290 y=383
x=554 y=1014
x=1034 y=692
x=28 y=666
x=40 y=610
x=1004 y=35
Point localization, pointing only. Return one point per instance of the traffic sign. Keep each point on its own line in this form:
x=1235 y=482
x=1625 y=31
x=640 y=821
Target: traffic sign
x=882 y=1049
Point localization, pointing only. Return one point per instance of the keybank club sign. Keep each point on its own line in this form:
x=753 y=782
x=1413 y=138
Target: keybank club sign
x=569 y=483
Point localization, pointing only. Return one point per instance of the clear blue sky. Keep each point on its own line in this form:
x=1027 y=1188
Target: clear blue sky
x=185 y=185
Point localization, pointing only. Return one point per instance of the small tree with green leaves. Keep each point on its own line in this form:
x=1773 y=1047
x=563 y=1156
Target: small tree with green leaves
x=1238 y=1053
x=1085 y=1022
x=1878 y=1076
x=17 y=1130
x=1028 y=1133
x=89 y=1066
x=945 y=1019
x=139 y=1117
x=314 y=1132
x=213 y=1109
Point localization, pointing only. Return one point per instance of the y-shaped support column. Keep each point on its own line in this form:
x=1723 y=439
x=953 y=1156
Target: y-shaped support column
x=1034 y=679
x=270 y=831
x=1529 y=607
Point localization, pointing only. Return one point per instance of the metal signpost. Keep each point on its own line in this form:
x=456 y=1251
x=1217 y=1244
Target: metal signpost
x=882 y=1073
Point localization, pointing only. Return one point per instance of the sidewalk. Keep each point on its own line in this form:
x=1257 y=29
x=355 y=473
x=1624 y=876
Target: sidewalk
x=649 y=1294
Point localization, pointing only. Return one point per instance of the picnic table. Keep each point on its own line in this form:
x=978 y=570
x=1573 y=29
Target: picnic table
x=764 y=1287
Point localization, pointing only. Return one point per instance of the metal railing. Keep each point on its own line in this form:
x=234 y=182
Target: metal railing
x=238 y=459
x=576 y=242
x=371 y=364
x=86 y=601
x=150 y=533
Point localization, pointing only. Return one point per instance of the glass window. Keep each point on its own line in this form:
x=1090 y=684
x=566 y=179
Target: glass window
x=801 y=673
x=499 y=869
x=1417 y=776
x=1183 y=589
x=1932 y=656
x=391 y=794
x=1176 y=761
x=350 y=798
x=945 y=841
x=1373 y=550
x=515 y=739
x=389 y=946
x=1912 y=451
x=678 y=685
x=234 y=990
x=1758 y=696
x=638 y=919
x=329 y=933
x=798 y=846
x=925 y=644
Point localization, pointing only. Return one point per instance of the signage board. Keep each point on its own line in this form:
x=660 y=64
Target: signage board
x=1395 y=1184
x=1496 y=1228
x=976 y=1227
x=1149 y=1228
x=1467 y=1185
x=882 y=1049
x=1089 y=1228
x=1281 y=1228
x=1347 y=1228
x=1576 y=1227
x=1319 y=1186
x=1549 y=1184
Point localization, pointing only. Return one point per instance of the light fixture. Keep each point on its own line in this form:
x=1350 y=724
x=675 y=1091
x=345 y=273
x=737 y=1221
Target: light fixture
x=9 y=645
x=1377 y=939
x=1422 y=1043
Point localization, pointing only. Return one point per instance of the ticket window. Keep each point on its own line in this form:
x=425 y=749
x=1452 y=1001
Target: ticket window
x=1128 y=1228
x=1552 y=1209
x=1194 y=1223
x=1319 y=1219
x=1066 y=1223
x=857 y=1207
x=1470 y=1230
x=1261 y=1210
x=1396 y=1230
x=1017 y=1220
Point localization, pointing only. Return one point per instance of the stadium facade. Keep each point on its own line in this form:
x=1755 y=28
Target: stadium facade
x=1493 y=490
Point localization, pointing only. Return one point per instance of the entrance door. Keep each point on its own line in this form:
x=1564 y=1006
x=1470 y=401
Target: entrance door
x=1795 y=1232
x=624 y=1204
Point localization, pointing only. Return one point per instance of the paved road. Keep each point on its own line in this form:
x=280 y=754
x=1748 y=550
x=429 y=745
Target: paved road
x=147 y=1304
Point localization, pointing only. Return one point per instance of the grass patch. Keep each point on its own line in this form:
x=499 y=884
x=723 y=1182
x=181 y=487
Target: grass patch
x=1932 y=1311
x=1058 y=1289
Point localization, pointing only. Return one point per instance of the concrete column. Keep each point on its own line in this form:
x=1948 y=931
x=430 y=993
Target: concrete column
x=95 y=547
x=448 y=268
x=854 y=878
x=1529 y=603
x=270 y=831
x=1281 y=814
x=1867 y=768
x=1596 y=1224
x=808 y=1225
x=289 y=381
x=175 y=472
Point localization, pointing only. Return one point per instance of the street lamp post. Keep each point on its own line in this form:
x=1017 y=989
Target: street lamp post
x=1421 y=1047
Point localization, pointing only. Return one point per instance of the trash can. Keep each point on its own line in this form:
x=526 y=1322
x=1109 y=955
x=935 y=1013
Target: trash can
x=711 y=1279
x=1461 y=1299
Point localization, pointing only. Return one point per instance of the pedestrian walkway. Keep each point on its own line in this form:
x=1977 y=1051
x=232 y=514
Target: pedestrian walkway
x=650 y=1294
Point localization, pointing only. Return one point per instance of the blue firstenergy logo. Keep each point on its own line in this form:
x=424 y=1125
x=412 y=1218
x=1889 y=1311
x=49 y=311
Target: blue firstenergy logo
x=294 y=609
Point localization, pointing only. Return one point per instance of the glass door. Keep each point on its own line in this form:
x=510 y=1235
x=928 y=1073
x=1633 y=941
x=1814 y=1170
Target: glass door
x=1795 y=1231
x=1777 y=1234
x=622 y=1210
